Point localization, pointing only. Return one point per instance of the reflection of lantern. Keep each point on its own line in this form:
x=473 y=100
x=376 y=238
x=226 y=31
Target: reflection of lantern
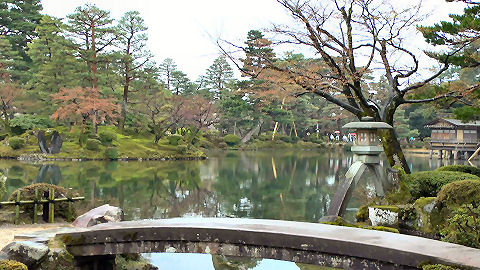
x=367 y=150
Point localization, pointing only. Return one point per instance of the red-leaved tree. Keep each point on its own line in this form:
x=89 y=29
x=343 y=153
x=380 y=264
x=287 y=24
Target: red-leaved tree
x=84 y=104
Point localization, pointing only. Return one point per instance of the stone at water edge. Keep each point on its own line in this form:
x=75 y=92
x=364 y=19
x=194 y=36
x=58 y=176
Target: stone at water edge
x=101 y=214
x=27 y=252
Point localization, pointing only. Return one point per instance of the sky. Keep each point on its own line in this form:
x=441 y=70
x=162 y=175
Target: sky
x=186 y=30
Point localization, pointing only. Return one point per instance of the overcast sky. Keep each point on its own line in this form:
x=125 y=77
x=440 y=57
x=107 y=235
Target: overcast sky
x=186 y=30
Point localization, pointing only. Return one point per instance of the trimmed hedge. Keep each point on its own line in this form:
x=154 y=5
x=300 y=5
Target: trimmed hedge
x=459 y=192
x=93 y=144
x=174 y=139
x=232 y=140
x=429 y=183
x=107 y=137
x=461 y=168
x=111 y=152
x=16 y=143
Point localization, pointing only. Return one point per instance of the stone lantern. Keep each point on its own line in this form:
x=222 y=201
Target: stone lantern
x=366 y=150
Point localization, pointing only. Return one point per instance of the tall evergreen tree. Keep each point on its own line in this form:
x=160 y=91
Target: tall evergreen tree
x=166 y=68
x=18 y=20
x=132 y=40
x=54 y=64
x=91 y=31
x=219 y=74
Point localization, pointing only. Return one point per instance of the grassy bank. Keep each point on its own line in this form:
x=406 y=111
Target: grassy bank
x=108 y=143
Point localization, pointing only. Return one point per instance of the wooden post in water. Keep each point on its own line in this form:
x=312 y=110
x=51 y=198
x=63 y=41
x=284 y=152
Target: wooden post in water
x=35 y=206
x=51 y=205
x=70 y=207
x=17 y=209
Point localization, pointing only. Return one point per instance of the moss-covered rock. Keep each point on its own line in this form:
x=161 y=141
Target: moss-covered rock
x=424 y=208
x=133 y=262
x=12 y=265
x=461 y=168
x=362 y=213
x=382 y=228
x=458 y=193
x=339 y=221
x=439 y=267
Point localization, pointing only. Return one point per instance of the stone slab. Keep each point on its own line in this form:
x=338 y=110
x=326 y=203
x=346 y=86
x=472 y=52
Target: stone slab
x=145 y=235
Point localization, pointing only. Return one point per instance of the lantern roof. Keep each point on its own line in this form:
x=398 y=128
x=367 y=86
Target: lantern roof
x=366 y=123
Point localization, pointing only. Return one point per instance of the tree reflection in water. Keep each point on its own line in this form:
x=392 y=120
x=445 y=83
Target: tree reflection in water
x=290 y=185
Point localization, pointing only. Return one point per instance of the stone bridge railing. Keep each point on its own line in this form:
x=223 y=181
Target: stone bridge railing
x=334 y=246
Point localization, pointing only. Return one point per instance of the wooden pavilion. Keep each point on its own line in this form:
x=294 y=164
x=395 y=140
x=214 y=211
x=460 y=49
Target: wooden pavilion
x=454 y=138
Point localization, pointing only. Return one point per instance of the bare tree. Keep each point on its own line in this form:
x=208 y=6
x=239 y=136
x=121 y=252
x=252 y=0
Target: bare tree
x=354 y=38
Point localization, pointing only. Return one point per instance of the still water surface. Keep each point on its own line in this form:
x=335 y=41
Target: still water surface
x=289 y=185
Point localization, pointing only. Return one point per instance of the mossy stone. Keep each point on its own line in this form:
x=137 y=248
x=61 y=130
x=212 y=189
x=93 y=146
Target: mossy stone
x=12 y=265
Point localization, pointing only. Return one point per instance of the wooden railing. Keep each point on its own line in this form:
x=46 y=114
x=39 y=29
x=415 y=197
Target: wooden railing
x=51 y=204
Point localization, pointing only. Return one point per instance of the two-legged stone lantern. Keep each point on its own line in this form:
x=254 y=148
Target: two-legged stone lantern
x=366 y=154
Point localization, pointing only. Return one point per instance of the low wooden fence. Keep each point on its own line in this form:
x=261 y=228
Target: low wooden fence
x=37 y=201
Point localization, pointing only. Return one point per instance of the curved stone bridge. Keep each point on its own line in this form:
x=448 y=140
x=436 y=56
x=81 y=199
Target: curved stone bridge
x=320 y=244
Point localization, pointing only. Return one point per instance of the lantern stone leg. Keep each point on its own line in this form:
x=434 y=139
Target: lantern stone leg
x=344 y=190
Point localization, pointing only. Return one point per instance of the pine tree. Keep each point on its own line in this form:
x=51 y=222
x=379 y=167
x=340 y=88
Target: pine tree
x=92 y=33
x=166 y=68
x=218 y=76
x=134 y=54
x=18 y=20
x=54 y=64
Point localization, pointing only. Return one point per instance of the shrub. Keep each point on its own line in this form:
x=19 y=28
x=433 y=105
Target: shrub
x=231 y=140
x=24 y=122
x=459 y=192
x=111 y=153
x=12 y=265
x=429 y=183
x=93 y=144
x=106 y=137
x=16 y=142
x=182 y=149
x=362 y=214
x=295 y=139
x=222 y=145
x=461 y=168
x=463 y=227
x=28 y=193
x=174 y=139
x=286 y=139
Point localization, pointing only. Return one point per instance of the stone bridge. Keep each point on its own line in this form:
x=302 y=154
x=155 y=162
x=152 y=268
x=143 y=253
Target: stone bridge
x=319 y=244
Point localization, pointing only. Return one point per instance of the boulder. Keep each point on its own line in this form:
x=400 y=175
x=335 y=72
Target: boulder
x=102 y=214
x=383 y=215
x=27 y=252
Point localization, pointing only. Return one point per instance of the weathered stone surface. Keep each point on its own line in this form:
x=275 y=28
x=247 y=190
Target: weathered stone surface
x=42 y=143
x=57 y=259
x=102 y=214
x=383 y=217
x=327 y=245
x=55 y=143
x=26 y=252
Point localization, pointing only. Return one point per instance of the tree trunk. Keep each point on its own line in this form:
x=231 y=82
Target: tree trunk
x=249 y=134
x=393 y=149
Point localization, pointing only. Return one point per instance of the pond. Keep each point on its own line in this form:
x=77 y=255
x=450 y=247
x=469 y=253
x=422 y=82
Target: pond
x=289 y=185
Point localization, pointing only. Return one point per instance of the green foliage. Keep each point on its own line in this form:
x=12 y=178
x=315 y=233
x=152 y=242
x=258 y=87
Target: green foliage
x=461 y=168
x=182 y=149
x=93 y=144
x=439 y=267
x=464 y=226
x=174 y=139
x=362 y=214
x=16 y=142
x=106 y=137
x=12 y=265
x=24 y=122
x=232 y=140
x=429 y=183
x=382 y=228
x=111 y=153
x=400 y=195
x=467 y=113
x=459 y=192
x=339 y=221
